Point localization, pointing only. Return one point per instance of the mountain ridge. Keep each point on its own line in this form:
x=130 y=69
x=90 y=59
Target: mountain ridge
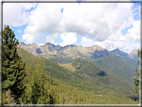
x=74 y=51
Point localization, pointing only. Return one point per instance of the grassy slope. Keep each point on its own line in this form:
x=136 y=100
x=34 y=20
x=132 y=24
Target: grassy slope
x=117 y=66
x=67 y=76
x=68 y=66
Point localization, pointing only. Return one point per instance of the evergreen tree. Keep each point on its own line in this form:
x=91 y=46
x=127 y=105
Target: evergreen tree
x=12 y=65
x=37 y=91
x=138 y=72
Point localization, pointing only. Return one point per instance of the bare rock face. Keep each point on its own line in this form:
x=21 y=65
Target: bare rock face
x=21 y=44
x=73 y=51
x=133 y=54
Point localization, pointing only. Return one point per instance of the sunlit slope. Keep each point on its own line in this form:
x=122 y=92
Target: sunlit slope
x=93 y=73
x=68 y=66
x=117 y=66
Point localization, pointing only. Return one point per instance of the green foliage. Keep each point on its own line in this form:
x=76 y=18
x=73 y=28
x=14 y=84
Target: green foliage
x=138 y=72
x=37 y=91
x=7 y=97
x=13 y=67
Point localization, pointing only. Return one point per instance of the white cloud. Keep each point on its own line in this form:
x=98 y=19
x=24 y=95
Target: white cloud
x=51 y=39
x=14 y=14
x=19 y=31
x=31 y=38
x=87 y=42
x=128 y=48
x=81 y=19
x=133 y=34
x=68 y=38
x=45 y=19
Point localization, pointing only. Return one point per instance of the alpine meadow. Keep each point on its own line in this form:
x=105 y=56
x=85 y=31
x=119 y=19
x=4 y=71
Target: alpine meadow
x=76 y=53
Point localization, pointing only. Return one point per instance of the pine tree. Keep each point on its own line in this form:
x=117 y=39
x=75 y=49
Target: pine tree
x=37 y=88
x=138 y=72
x=12 y=65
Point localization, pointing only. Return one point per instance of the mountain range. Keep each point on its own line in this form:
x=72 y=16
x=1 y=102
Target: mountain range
x=74 y=51
x=116 y=61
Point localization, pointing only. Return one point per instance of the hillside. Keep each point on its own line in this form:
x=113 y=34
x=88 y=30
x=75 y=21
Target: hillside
x=101 y=84
x=93 y=73
x=117 y=66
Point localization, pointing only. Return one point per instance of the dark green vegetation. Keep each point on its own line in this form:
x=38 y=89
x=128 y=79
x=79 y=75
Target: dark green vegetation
x=137 y=82
x=117 y=66
x=74 y=88
x=13 y=67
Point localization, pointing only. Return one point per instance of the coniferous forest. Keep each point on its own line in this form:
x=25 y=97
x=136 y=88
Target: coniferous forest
x=27 y=79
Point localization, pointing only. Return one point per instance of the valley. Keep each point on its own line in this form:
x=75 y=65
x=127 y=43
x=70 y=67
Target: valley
x=87 y=79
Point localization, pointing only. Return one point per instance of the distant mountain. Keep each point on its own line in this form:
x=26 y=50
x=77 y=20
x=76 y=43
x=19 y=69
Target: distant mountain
x=118 y=52
x=100 y=53
x=71 y=51
x=134 y=54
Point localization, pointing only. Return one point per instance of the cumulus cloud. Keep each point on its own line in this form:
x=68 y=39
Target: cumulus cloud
x=19 y=31
x=31 y=38
x=133 y=34
x=51 y=39
x=87 y=42
x=82 y=19
x=15 y=13
x=68 y=38
x=45 y=19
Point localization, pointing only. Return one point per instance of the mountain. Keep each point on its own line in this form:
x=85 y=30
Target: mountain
x=51 y=51
x=90 y=83
x=100 y=53
x=119 y=62
x=118 y=52
x=69 y=51
x=117 y=66
x=134 y=54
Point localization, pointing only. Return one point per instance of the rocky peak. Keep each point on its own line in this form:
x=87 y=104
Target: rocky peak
x=21 y=44
x=119 y=52
x=134 y=53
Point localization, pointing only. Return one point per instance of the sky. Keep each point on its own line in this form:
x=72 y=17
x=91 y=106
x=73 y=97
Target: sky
x=109 y=25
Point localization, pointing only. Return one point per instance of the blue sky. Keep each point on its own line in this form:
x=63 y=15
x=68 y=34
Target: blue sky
x=111 y=26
